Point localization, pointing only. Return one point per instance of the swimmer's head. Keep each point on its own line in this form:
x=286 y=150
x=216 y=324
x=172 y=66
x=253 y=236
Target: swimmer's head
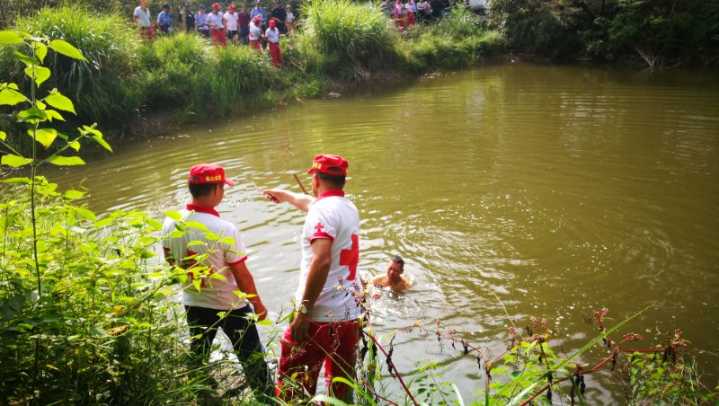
x=396 y=267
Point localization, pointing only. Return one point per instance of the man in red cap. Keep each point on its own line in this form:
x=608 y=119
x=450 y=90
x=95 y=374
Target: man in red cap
x=273 y=42
x=217 y=25
x=219 y=287
x=325 y=329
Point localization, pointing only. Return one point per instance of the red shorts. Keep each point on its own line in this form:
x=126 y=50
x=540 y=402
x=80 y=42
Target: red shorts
x=333 y=344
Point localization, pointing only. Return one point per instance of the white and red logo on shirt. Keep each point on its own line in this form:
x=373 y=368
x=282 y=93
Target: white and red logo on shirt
x=333 y=217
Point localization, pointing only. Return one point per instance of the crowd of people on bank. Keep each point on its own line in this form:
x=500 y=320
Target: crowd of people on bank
x=259 y=27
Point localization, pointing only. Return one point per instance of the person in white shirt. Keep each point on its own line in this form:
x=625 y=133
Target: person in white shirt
x=255 y=33
x=290 y=20
x=231 y=19
x=273 y=42
x=219 y=287
x=326 y=326
x=141 y=17
x=217 y=25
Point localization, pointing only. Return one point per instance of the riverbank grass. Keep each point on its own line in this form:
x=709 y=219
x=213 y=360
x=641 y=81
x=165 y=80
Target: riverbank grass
x=342 y=43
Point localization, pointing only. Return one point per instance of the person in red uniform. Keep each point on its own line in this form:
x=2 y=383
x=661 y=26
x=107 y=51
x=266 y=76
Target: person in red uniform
x=217 y=25
x=273 y=42
x=326 y=326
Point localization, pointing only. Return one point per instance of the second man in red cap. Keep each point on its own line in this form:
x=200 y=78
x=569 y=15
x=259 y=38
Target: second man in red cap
x=326 y=327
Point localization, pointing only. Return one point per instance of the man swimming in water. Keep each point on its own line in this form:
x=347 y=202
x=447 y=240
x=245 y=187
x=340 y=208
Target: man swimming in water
x=393 y=279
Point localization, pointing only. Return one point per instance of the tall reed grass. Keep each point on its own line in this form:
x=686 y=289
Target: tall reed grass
x=351 y=38
x=104 y=87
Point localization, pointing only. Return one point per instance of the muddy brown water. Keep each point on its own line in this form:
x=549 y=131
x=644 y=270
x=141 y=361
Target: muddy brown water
x=550 y=191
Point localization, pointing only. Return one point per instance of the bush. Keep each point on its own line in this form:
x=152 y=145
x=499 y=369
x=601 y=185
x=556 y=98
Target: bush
x=353 y=39
x=239 y=77
x=459 y=39
x=176 y=72
x=103 y=86
x=184 y=72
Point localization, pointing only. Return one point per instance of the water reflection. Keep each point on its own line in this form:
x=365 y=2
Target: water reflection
x=550 y=191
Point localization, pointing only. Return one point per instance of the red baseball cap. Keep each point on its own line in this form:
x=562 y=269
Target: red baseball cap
x=208 y=173
x=329 y=164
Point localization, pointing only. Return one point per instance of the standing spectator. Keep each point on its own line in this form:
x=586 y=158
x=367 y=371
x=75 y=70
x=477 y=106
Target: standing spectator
x=411 y=7
x=243 y=21
x=273 y=42
x=201 y=22
x=141 y=16
x=290 y=20
x=231 y=23
x=259 y=11
x=397 y=14
x=326 y=326
x=189 y=20
x=280 y=15
x=386 y=8
x=255 y=33
x=164 y=19
x=217 y=26
x=424 y=10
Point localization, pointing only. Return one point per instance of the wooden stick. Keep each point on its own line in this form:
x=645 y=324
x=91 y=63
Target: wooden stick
x=299 y=182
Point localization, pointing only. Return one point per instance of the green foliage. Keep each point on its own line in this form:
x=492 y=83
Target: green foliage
x=659 y=31
x=102 y=84
x=100 y=332
x=351 y=38
x=183 y=71
x=85 y=317
x=459 y=39
x=657 y=379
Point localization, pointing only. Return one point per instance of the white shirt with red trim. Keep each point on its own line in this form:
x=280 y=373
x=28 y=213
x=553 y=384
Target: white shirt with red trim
x=223 y=247
x=333 y=217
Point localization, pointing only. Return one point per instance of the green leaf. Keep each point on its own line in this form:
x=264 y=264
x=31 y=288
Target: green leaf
x=23 y=181
x=45 y=136
x=85 y=213
x=197 y=225
x=60 y=101
x=74 y=145
x=14 y=161
x=54 y=115
x=10 y=38
x=3 y=135
x=37 y=73
x=66 y=160
x=73 y=194
x=32 y=114
x=63 y=47
x=265 y=323
x=173 y=214
x=11 y=97
x=40 y=51
x=28 y=60
x=324 y=399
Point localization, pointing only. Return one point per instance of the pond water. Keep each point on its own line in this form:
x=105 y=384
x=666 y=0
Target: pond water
x=548 y=191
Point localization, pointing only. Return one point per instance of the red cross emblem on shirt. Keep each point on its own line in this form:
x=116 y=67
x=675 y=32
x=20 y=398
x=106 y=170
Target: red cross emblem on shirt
x=350 y=257
x=319 y=228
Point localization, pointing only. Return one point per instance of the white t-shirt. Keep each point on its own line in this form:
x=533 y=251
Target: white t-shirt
x=255 y=31
x=215 y=21
x=231 y=19
x=334 y=217
x=273 y=35
x=227 y=249
x=290 y=17
x=143 y=16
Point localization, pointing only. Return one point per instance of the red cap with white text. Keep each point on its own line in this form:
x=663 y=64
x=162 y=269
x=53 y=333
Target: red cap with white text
x=208 y=173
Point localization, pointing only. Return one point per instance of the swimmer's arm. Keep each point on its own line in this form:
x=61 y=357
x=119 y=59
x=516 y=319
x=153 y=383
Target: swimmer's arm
x=378 y=281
